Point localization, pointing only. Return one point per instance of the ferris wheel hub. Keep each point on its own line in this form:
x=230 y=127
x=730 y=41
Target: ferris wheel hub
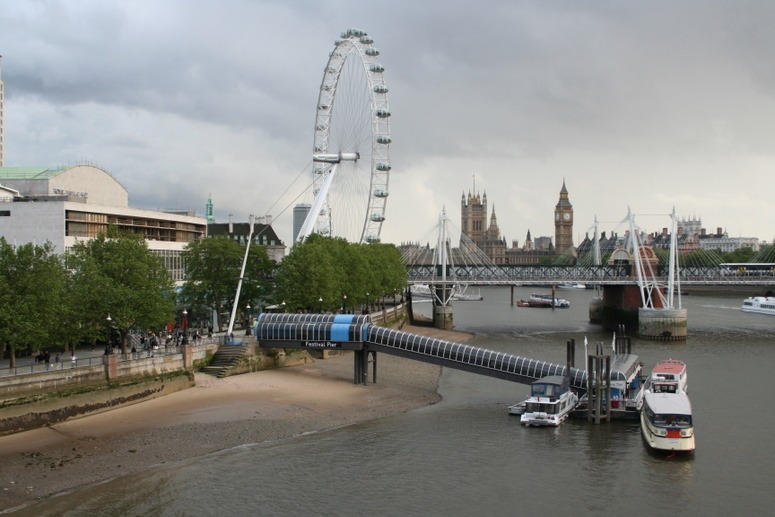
x=335 y=157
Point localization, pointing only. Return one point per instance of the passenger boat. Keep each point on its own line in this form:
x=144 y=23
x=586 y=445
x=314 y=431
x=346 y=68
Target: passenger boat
x=759 y=305
x=666 y=422
x=573 y=286
x=544 y=301
x=550 y=402
x=459 y=293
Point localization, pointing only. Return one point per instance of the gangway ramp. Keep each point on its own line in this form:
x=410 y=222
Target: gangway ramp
x=357 y=333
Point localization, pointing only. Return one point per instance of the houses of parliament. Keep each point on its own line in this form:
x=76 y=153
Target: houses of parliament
x=487 y=237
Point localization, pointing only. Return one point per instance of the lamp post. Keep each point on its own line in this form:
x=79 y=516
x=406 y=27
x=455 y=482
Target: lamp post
x=320 y=304
x=344 y=303
x=184 y=323
x=367 y=302
x=283 y=306
x=107 y=332
x=250 y=320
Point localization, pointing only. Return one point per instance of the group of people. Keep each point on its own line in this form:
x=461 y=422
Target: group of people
x=44 y=356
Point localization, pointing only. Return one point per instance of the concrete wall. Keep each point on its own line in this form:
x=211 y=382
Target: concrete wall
x=35 y=400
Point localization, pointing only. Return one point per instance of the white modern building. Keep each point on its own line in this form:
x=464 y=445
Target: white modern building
x=63 y=205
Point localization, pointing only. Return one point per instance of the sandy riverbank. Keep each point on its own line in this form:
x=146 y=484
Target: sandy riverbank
x=217 y=414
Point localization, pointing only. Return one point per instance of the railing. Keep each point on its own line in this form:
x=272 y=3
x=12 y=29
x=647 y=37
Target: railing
x=90 y=360
x=593 y=275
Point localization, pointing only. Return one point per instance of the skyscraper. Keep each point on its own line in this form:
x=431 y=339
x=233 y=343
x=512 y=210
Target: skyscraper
x=300 y=212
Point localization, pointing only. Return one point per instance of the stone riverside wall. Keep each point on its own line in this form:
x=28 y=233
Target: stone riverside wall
x=39 y=399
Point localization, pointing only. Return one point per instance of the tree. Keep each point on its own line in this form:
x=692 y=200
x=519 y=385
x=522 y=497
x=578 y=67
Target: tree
x=213 y=268
x=321 y=271
x=32 y=280
x=115 y=274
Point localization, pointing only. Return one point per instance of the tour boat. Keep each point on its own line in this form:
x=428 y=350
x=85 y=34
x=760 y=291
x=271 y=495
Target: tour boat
x=666 y=422
x=459 y=293
x=759 y=305
x=550 y=402
x=544 y=301
x=573 y=286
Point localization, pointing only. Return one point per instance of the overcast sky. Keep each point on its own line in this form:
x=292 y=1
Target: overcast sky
x=651 y=105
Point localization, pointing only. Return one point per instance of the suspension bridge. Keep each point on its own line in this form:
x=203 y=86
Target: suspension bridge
x=639 y=285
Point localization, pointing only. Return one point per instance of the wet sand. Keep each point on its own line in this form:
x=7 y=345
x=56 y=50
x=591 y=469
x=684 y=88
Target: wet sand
x=215 y=415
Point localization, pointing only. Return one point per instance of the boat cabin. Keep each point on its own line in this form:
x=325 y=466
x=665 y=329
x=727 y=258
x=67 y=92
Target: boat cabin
x=668 y=376
x=668 y=411
x=551 y=387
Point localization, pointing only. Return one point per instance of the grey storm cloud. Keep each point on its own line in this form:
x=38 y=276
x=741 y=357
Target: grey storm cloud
x=657 y=105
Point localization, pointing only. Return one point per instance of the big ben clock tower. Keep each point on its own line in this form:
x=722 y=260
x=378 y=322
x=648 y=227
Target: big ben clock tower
x=563 y=223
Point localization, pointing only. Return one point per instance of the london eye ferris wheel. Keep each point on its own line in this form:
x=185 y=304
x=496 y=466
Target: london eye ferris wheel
x=351 y=150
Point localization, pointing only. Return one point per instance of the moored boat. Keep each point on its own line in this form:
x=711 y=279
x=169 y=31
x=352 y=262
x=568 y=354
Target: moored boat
x=573 y=286
x=759 y=305
x=544 y=301
x=550 y=402
x=666 y=422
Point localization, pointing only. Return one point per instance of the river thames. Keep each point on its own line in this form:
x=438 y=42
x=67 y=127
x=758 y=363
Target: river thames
x=466 y=455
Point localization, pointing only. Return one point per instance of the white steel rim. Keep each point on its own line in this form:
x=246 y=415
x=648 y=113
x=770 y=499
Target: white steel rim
x=353 y=117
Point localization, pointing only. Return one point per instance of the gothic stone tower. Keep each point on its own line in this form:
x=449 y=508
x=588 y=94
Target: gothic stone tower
x=563 y=223
x=473 y=217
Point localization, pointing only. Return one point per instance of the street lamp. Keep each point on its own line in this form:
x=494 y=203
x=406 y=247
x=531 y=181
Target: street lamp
x=344 y=303
x=320 y=304
x=250 y=321
x=107 y=331
x=185 y=326
x=367 y=301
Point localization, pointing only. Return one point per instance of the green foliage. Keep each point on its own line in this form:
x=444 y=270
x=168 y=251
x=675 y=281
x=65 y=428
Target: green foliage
x=116 y=275
x=32 y=286
x=213 y=269
x=330 y=274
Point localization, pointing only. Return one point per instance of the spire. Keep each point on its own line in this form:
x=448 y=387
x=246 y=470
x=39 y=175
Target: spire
x=209 y=210
x=563 y=190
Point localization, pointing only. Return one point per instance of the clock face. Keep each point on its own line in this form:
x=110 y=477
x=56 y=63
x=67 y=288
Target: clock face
x=566 y=216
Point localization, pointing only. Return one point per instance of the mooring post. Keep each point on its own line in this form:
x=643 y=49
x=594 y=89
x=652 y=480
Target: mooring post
x=373 y=366
x=607 y=360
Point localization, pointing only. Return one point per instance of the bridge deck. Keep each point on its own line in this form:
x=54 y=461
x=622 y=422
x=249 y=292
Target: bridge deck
x=320 y=331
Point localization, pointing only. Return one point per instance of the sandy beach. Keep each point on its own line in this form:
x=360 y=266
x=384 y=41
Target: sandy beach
x=215 y=415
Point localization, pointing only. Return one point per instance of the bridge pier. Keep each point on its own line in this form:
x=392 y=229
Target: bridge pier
x=620 y=305
x=662 y=324
x=442 y=316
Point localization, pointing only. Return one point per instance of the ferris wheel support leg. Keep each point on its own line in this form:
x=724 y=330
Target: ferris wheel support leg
x=317 y=205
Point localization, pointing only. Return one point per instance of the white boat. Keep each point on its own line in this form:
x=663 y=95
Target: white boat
x=518 y=408
x=666 y=422
x=420 y=290
x=759 y=305
x=462 y=294
x=573 y=286
x=545 y=300
x=550 y=402
x=459 y=293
